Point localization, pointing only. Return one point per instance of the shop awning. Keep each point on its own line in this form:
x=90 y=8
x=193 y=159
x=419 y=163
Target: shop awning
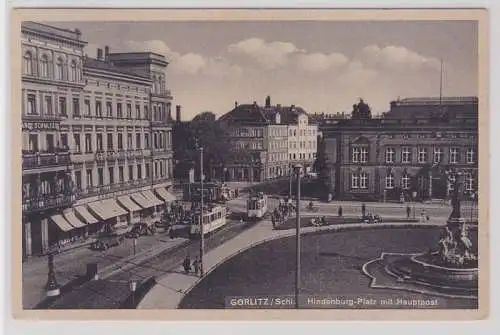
x=164 y=194
x=111 y=203
x=104 y=213
x=85 y=214
x=126 y=202
x=70 y=216
x=142 y=200
x=61 y=222
x=152 y=198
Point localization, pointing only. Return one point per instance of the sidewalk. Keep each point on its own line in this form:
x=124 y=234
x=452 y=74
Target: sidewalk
x=169 y=290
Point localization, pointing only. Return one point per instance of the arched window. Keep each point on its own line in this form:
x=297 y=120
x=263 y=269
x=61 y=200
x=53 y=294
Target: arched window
x=44 y=66
x=74 y=71
x=60 y=69
x=28 y=63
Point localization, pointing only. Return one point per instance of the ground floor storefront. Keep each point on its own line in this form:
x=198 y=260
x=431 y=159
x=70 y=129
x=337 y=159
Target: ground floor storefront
x=60 y=229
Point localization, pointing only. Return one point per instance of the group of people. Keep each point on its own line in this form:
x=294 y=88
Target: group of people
x=282 y=212
x=191 y=266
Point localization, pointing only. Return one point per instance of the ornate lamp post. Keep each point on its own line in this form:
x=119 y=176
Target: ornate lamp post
x=52 y=287
x=133 y=287
x=297 y=168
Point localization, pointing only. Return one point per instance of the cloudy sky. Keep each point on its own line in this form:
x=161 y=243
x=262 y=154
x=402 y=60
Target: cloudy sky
x=322 y=66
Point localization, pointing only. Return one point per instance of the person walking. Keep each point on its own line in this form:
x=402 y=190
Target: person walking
x=196 y=266
x=363 y=209
x=408 y=212
x=340 y=211
x=422 y=216
x=187 y=264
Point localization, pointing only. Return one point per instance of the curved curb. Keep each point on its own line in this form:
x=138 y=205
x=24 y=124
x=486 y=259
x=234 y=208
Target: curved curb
x=328 y=229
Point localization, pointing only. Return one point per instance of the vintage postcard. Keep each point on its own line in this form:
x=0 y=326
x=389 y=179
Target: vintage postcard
x=250 y=164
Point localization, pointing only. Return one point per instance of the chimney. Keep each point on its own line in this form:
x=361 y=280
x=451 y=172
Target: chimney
x=169 y=112
x=278 y=105
x=106 y=52
x=178 y=113
x=99 y=53
x=268 y=101
x=235 y=104
x=255 y=103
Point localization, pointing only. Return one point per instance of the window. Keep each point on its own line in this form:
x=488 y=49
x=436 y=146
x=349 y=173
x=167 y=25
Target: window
x=138 y=141
x=471 y=155
x=44 y=66
x=119 y=112
x=161 y=139
x=438 y=155
x=32 y=105
x=451 y=182
x=111 y=173
x=76 y=139
x=155 y=140
x=390 y=155
x=76 y=106
x=146 y=112
x=109 y=141
x=389 y=181
x=109 y=109
x=146 y=141
x=129 y=111
x=147 y=173
x=90 y=181
x=454 y=152
x=405 y=182
x=359 y=180
x=87 y=107
x=98 y=109
x=74 y=71
x=469 y=182
x=137 y=111
x=100 y=177
x=405 y=155
x=60 y=69
x=129 y=141
x=88 y=143
x=78 y=180
x=64 y=141
x=62 y=106
x=364 y=155
x=99 y=143
x=139 y=171
x=130 y=172
x=49 y=138
x=48 y=106
x=120 y=141
x=155 y=114
x=355 y=155
x=28 y=63
x=121 y=179
x=422 y=155
x=33 y=142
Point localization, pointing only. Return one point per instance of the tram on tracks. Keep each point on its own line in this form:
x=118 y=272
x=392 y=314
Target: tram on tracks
x=214 y=218
x=257 y=206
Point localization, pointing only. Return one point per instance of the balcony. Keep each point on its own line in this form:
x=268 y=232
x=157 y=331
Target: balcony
x=46 y=202
x=162 y=94
x=116 y=187
x=38 y=160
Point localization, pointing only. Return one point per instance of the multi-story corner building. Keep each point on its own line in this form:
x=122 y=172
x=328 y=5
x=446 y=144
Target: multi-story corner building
x=267 y=140
x=93 y=152
x=406 y=151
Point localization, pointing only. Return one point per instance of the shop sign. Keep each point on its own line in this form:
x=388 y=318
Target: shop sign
x=41 y=125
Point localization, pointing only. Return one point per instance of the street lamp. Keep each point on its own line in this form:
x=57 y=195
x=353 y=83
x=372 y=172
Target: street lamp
x=413 y=197
x=52 y=287
x=133 y=287
x=202 y=237
x=135 y=245
x=298 y=169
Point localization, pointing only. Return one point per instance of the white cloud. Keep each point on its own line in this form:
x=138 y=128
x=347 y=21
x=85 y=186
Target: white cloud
x=396 y=57
x=189 y=63
x=270 y=55
x=319 y=62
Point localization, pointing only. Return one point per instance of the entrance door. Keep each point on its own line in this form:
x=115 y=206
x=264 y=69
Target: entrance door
x=438 y=188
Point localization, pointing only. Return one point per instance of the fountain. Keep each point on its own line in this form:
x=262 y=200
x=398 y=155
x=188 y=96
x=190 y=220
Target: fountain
x=450 y=269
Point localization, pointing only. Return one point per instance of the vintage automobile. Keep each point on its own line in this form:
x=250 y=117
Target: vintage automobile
x=107 y=241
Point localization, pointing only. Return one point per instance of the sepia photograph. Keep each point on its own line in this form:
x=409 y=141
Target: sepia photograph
x=254 y=160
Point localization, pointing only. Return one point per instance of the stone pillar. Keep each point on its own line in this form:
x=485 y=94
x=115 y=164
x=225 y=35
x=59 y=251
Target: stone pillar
x=27 y=239
x=44 y=233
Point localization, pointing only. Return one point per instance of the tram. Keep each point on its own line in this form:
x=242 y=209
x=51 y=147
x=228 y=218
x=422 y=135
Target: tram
x=214 y=218
x=257 y=205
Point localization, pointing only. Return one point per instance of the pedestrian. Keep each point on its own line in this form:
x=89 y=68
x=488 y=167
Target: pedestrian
x=187 y=264
x=408 y=212
x=196 y=265
x=273 y=220
x=422 y=216
x=340 y=211
x=363 y=209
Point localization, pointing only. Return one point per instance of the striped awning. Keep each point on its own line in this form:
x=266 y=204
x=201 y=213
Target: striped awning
x=142 y=200
x=126 y=202
x=85 y=214
x=152 y=198
x=164 y=194
x=61 y=222
x=104 y=213
x=70 y=216
x=117 y=209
